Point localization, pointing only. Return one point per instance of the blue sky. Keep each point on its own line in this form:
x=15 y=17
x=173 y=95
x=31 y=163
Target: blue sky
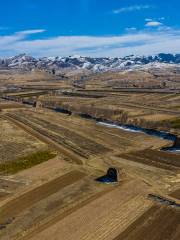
x=89 y=27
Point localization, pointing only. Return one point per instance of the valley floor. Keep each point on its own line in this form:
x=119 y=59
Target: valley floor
x=57 y=195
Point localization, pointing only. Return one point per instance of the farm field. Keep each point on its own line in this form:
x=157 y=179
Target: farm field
x=54 y=149
x=146 y=226
x=109 y=210
x=155 y=158
x=142 y=109
x=74 y=133
x=16 y=143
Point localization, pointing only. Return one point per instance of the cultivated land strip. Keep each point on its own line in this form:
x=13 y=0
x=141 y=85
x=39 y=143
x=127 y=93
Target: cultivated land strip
x=157 y=223
x=44 y=136
x=44 y=129
x=97 y=143
x=14 y=207
x=58 y=217
x=85 y=144
x=167 y=161
x=105 y=217
x=151 y=108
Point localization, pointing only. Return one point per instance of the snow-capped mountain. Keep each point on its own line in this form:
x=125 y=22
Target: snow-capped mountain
x=88 y=63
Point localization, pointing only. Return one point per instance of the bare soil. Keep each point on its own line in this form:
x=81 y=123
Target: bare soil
x=168 y=161
x=105 y=216
x=176 y=194
x=156 y=224
x=13 y=208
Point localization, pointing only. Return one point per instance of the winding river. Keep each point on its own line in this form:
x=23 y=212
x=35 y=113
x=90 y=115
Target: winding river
x=131 y=128
x=151 y=132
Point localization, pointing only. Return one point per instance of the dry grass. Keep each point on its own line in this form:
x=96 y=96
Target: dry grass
x=15 y=142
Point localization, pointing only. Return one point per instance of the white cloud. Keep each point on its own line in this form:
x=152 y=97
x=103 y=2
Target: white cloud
x=31 y=31
x=153 y=24
x=148 y=19
x=131 y=8
x=137 y=42
x=8 y=42
x=151 y=20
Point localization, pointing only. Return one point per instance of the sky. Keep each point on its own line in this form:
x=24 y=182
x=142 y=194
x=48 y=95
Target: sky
x=96 y=28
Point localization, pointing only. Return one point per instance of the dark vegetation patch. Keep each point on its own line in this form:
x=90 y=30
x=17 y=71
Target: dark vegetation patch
x=26 y=162
x=175 y=123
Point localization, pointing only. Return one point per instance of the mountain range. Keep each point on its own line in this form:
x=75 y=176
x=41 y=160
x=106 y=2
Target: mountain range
x=76 y=62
